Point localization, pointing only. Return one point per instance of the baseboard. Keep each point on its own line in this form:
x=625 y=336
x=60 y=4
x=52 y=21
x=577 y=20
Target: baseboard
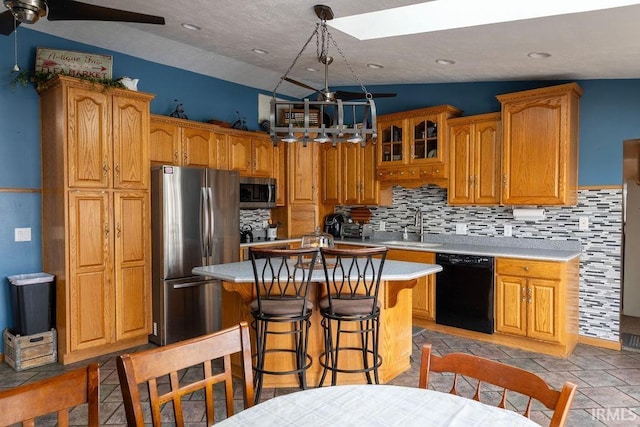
x=599 y=342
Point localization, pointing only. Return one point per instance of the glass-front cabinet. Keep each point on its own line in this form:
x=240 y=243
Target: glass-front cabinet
x=413 y=146
x=391 y=141
x=425 y=139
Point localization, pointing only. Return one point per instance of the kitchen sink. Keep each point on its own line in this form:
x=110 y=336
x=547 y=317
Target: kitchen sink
x=411 y=244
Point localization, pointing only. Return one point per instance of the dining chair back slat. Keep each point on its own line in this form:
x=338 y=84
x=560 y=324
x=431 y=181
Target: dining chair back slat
x=57 y=394
x=206 y=352
x=504 y=376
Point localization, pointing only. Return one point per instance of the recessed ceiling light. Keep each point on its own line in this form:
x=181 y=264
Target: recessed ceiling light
x=192 y=27
x=375 y=66
x=260 y=51
x=445 y=15
x=445 y=62
x=538 y=55
x=313 y=70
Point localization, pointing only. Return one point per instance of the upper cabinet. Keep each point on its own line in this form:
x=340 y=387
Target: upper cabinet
x=251 y=155
x=540 y=146
x=412 y=146
x=187 y=143
x=181 y=142
x=474 y=156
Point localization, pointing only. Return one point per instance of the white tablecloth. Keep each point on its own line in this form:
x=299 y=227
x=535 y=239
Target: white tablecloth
x=374 y=405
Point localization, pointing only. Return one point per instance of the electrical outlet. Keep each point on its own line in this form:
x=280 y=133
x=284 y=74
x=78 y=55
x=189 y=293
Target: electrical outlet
x=583 y=223
x=383 y=226
x=508 y=230
x=265 y=224
x=461 y=228
x=23 y=234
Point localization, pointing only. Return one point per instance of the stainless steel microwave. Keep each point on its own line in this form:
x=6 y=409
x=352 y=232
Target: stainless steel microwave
x=257 y=193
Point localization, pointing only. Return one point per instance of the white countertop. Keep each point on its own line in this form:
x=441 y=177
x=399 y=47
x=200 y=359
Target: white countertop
x=242 y=272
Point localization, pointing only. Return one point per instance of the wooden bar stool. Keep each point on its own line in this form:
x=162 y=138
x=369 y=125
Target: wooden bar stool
x=353 y=280
x=282 y=281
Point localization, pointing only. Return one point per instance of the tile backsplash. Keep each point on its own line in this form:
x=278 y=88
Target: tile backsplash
x=600 y=262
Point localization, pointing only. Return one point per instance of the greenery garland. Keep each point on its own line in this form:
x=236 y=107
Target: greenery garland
x=38 y=78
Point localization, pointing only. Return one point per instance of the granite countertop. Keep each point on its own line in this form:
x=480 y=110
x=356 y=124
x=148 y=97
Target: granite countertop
x=242 y=272
x=507 y=247
x=539 y=249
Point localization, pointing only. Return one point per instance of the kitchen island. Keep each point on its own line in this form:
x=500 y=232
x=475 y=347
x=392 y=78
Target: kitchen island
x=398 y=278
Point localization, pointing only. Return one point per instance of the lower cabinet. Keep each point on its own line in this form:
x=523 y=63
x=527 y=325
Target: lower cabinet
x=537 y=299
x=424 y=306
x=107 y=297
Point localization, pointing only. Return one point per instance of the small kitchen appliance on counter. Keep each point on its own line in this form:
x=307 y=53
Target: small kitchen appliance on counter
x=333 y=224
x=353 y=230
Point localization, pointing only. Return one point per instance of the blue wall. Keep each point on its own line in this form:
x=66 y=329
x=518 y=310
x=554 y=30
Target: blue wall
x=609 y=114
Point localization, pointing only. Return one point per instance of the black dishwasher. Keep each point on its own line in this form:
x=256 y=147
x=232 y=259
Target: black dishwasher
x=465 y=292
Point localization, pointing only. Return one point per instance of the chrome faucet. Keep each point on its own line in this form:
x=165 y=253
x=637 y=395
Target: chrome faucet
x=419 y=224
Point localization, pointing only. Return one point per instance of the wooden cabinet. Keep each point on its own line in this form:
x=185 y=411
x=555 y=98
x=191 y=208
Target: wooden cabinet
x=302 y=173
x=301 y=214
x=331 y=174
x=538 y=300
x=412 y=146
x=182 y=143
x=474 y=156
x=423 y=299
x=280 y=170
x=349 y=176
x=95 y=215
x=250 y=155
x=540 y=146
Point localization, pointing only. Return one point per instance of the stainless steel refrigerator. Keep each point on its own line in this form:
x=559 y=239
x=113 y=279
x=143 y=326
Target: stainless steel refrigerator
x=195 y=221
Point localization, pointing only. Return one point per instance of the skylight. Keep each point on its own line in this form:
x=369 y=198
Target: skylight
x=439 y=15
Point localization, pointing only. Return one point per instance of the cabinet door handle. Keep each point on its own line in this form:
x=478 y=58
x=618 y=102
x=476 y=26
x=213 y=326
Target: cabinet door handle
x=105 y=169
x=106 y=230
x=117 y=169
x=470 y=181
x=185 y=158
x=529 y=294
x=175 y=157
x=526 y=268
x=505 y=180
x=118 y=230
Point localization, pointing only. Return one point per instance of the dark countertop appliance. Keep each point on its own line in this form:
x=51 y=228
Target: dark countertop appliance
x=353 y=230
x=333 y=224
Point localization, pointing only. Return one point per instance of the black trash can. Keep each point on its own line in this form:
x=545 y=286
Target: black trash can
x=33 y=302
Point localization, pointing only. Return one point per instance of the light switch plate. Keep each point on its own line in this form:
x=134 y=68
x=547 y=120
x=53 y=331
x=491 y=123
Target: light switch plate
x=508 y=230
x=23 y=234
x=383 y=226
x=461 y=228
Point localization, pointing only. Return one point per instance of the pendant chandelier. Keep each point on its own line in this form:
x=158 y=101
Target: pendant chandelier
x=328 y=118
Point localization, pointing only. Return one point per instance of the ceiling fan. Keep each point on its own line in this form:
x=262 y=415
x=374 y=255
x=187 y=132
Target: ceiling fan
x=326 y=14
x=29 y=11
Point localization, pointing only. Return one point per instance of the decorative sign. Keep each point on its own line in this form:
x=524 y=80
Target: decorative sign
x=75 y=64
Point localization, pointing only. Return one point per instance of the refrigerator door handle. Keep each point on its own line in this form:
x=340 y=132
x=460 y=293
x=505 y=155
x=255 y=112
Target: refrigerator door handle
x=204 y=223
x=212 y=226
x=190 y=285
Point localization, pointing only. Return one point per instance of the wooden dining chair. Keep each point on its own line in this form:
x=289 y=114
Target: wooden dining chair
x=57 y=395
x=498 y=374
x=148 y=366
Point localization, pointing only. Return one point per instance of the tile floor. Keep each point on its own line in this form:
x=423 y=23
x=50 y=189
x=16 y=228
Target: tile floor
x=608 y=381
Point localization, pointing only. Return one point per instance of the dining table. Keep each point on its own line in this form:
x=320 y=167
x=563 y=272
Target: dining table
x=374 y=405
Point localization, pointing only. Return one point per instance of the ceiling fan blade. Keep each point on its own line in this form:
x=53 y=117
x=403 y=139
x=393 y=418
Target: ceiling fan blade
x=7 y=23
x=304 y=85
x=70 y=10
x=349 y=96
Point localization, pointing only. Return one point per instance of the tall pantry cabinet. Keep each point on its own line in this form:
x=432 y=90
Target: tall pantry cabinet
x=96 y=215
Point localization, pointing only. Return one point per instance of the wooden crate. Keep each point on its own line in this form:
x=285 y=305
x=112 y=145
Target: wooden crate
x=28 y=351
